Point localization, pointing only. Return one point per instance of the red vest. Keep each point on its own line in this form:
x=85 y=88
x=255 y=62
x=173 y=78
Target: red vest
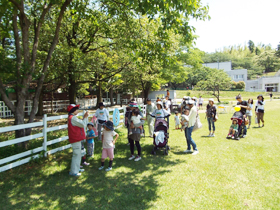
x=75 y=133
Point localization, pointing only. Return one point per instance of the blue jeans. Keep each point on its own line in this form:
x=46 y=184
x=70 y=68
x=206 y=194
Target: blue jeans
x=245 y=130
x=190 y=141
x=211 y=121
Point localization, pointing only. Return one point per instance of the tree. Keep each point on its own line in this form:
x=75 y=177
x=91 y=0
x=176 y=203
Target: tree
x=251 y=46
x=240 y=85
x=215 y=81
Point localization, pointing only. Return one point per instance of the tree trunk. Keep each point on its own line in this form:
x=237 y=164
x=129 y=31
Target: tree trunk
x=111 y=96
x=99 y=99
x=40 y=107
x=146 y=90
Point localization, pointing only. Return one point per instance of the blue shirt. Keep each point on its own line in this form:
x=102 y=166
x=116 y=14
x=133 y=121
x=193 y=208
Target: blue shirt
x=90 y=134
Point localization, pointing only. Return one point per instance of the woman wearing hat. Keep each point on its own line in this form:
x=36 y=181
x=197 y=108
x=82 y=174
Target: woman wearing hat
x=211 y=116
x=260 y=109
x=136 y=132
x=160 y=113
x=102 y=116
x=76 y=133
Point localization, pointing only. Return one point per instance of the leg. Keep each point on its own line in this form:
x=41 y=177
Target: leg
x=187 y=139
x=261 y=117
x=151 y=123
x=230 y=131
x=76 y=158
x=209 y=124
x=191 y=141
x=213 y=124
x=131 y=146
x=99 y=131
x=137 y=143
x=250 y=119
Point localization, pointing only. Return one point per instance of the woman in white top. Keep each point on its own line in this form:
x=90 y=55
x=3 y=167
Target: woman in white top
x=260 y=109
x=249 y=111
x=102 y=116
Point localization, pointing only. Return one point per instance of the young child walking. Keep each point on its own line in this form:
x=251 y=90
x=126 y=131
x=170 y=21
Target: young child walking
x=177 y=120
x=136 y=119
x=185 y=119
x=108 y=144
x=233 y=128
x=90 y=140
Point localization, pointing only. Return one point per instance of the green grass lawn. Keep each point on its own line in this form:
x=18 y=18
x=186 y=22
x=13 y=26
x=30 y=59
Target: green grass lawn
x=226 y=174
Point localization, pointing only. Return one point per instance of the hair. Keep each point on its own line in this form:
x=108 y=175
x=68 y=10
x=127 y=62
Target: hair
x=176 y=112
x=157 y=97
x=235 y=120
x=167 y=90
x=73 y=110
x=238 y=96
x=252 y=100
x=260 y=96
x=136 y=112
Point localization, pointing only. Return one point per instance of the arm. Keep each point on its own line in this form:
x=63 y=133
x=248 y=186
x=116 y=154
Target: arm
x=79 y=123
x=107 y=114
x=117 y=136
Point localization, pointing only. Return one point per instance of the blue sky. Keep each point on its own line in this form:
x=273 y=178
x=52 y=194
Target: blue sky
x=235 y=22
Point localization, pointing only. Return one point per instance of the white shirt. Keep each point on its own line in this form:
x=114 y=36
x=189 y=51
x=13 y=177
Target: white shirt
x=192 y=116
x=200 y=101
x=136 y=119
x=79 y=123
x=167 y=105
x=108 y=138
x=259 y=106
x=102 y=114
x=177 y=120
x=160 y=113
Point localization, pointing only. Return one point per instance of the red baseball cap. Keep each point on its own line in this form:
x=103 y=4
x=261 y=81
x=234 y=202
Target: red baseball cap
x=71 y=106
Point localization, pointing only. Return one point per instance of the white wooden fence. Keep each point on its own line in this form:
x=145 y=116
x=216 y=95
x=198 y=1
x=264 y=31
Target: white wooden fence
x=33 y=153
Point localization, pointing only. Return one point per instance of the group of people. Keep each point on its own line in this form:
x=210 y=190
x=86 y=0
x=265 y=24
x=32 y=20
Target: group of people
x=134 y=121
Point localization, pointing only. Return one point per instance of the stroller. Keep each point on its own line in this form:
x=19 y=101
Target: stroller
x=241 y=125
x=160 y=136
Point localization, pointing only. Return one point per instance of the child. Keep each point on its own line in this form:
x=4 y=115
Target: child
x=185 y=119
x=136 y=119
x=177 y=120
x=83 y=153
x=233 y=128
x=102 y=115
x=90 y=140
x=108 y=144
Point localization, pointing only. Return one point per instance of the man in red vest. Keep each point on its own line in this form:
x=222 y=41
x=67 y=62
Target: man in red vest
x=76 y=134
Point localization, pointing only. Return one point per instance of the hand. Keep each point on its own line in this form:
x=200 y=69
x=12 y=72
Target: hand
x=86 y=115
x=114 y=142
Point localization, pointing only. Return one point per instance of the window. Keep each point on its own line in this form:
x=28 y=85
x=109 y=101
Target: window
x=241 y=76
x=235 y=76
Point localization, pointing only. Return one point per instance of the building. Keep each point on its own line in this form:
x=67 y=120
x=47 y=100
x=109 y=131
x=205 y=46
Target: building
x=262 y=84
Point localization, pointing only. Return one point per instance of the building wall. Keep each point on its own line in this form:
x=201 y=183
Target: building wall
x=238 y=75
x=155 y=94
x=221 y=65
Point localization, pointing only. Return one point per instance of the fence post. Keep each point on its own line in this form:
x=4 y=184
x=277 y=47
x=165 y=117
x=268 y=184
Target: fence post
x=45 y=134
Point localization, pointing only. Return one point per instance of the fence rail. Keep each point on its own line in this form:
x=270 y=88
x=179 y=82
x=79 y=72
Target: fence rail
x=32 y=153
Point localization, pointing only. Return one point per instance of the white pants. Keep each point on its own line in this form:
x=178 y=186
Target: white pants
x=151 y=123
x=76 y=158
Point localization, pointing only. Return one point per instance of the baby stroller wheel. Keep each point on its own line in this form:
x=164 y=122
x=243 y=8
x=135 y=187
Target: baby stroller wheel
x=166 y=152
x=153 y=152
x=168 y=148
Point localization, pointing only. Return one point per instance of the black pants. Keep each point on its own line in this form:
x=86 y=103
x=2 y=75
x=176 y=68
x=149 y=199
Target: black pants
x=131 y=141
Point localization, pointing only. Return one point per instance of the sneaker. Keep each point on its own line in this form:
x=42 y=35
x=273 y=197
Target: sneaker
x=263 y=125
x=232 y=137
x=130 y=133
x=195 y=152
x=100 y=168
x=81 y=170
x=212 y=135
x=244 y=136
x=108 y=169
x=131 y=157
x=209 y=135
x=78 y=174
x=85 y=163
x=137 y=158
x=188 y=151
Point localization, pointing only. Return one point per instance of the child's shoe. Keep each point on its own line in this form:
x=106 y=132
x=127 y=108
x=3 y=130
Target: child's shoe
x=85 y=163
x=131 y=157
x=137 y=158
x=78 y=174
x=130 y=133
x=100 y=168
x=232 y=136
x=108 y=169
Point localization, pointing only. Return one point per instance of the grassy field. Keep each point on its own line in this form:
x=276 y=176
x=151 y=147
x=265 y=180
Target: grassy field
x=226 y=174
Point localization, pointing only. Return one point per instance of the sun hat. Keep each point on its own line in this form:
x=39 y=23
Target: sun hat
x=90 y=123
x=109 y=125
x=133 y=104
x=185 y=97
x=191 y=102
x=160 y=103
x=194 y=98
x=72 y=108
x=211 y=99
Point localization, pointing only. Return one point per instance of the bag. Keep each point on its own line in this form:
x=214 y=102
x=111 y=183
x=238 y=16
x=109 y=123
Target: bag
x=246 y=121
x=256 y=120
x=197 y=124
x=216 y=118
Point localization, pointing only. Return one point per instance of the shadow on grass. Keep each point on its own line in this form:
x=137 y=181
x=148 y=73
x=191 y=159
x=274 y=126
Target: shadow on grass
x=130 y=185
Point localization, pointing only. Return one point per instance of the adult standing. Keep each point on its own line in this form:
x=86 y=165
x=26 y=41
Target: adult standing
x=244 y=107
x=136 y=133
x=249 y=111
x=270 y=95
x=184 y=104
x=211 y=112
x=76 y=133
x=151 y=107
x=102 y=116
x=168 y=93
x=260 y=109
x=167 y=107
x=200 y=102
x=188 y=130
